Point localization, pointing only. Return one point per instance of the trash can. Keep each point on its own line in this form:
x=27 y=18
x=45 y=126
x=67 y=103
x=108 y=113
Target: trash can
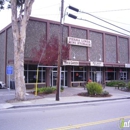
x=12 y=84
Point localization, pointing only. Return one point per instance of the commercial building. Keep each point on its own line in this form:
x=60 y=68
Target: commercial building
x=93 y=54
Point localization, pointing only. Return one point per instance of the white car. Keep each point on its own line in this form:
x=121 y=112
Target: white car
x=2 y=85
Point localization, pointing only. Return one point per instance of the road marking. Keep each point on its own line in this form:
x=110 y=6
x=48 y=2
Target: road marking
x=89 y=124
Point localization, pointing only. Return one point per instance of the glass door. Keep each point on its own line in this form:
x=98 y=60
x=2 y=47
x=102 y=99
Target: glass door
x=54 y=78
x=123 y=75
x=98 y=77
x=63 y=78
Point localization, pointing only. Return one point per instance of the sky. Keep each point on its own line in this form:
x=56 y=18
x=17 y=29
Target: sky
x=114 y=11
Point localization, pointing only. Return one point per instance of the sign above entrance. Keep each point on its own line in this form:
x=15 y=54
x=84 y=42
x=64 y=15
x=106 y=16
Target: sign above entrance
x=127 y=65
x=79 y=42
x=96 y=64
x=71 y=62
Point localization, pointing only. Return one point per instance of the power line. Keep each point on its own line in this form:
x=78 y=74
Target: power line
x=105 y=21
x=75 y=17
x=105 y=11
x=77 y=10
x=115 y=21
x=44 y=14
x=99 y=17
x=103 y=26
x=47 y=6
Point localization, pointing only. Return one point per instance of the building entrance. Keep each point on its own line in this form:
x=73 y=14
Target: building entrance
x=63 y=78
x=97 y=76
x=123 y=75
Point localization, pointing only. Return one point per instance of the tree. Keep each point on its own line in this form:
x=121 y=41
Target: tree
x=46 y=53
x=19 y=24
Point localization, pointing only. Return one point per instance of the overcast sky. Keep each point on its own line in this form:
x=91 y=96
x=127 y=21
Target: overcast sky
x=113 y=11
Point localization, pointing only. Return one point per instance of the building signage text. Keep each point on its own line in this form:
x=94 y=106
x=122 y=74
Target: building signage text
x=79 y=42
x=96 y=63
x=70 y=62
x=127 y=65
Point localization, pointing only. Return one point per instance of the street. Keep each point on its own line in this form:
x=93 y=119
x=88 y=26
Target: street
x=88 y=116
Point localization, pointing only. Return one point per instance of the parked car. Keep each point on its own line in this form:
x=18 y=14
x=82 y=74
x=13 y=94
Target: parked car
x=2 y=84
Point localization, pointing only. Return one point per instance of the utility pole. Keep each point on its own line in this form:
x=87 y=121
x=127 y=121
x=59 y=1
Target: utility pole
x=59 y=53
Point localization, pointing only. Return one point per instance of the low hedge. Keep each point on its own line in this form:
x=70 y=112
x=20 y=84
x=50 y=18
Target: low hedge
x=46 y=90
x=114 y=83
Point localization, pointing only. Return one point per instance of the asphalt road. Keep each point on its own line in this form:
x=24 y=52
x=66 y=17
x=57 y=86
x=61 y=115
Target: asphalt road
x=89 y=116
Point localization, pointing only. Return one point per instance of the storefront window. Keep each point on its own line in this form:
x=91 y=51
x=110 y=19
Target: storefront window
x=78 y=73
x=110 y=73
x=30 y=74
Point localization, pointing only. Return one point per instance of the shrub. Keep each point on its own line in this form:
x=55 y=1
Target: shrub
x=46 y=90
x=121 y=84
x=114 y=83
x=40 y=90
x=128 y=85
x=94 y=88
x=105 y=93
x=62 y=88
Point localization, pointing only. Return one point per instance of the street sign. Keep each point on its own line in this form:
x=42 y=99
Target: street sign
x=9 y=70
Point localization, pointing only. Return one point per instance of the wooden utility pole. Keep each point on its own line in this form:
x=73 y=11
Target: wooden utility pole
x=59 y=53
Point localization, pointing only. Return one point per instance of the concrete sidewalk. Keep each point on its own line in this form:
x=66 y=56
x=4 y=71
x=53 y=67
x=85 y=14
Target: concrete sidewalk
x=68 y=96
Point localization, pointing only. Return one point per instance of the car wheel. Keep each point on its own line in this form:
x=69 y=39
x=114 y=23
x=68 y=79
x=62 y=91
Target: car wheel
x=0 y=86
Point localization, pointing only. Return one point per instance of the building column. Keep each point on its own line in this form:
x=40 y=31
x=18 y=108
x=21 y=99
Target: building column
x=128 y=76
x=48 y=77
x=117 y=73
x=69 y=76
x=104 y=75
x=88 y=73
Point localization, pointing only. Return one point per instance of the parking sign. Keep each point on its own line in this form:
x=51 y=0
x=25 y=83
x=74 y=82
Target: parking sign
x=9 y=70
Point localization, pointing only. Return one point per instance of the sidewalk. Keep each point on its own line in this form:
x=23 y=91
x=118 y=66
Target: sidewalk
x=68 y=96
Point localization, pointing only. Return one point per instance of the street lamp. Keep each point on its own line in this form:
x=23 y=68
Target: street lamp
x=99 y=58
x=73 y=55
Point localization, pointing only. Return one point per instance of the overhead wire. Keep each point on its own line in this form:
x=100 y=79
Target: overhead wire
x=47 y=6
x=95 y=17
x=75 y=17
x=108 y=11
x=115 y=21
x=105 y=21
x=103 y=26
x=105 y=11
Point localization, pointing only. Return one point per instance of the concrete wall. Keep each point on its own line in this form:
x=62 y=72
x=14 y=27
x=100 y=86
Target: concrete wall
x=123 y=50
x=96 y=50
x=111 y=51
x=2 y=55
x=80 y=52
x=35 y=31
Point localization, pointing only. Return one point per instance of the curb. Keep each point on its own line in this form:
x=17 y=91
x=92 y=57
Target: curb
x=56 y=104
